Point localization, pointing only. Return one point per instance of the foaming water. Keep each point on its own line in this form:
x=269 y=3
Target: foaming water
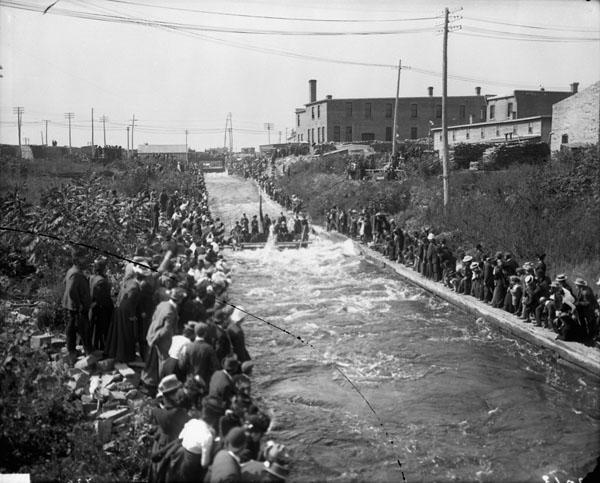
x=462 y=401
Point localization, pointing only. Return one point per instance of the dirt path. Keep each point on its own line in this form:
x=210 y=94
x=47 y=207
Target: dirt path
x=230 y=196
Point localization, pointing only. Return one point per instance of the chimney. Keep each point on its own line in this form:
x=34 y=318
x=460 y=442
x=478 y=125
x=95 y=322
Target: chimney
x=329 y=96
x=574 y=87
x=478 y=91
x=313 y=90
x=430 y=90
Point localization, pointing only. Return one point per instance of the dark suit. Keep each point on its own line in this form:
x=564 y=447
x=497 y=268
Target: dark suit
x=238 y=341
x=221 y=385
x=225 y=469
x=199 y=359
x=159 y=337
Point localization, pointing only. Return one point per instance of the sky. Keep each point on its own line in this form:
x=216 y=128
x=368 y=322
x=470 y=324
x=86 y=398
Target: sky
x=182 y=65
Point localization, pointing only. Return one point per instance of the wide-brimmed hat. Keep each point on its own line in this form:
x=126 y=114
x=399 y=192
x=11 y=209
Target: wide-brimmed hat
x=236 y=439
x=213 y=405
x=580 y=281
x=276 y=453
x=280 y=471
x=528 y=266
x=431 y=236
x=168 y=384
x=529 y=279
x=474 y=265
x=561 y=278
x=467 y=259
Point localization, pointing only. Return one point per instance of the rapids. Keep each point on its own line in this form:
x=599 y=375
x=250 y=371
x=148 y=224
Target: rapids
x=460 y=400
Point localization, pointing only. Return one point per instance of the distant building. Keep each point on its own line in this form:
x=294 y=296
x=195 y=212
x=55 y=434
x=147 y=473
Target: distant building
x=372 y=119
x=523 y=116
x=576 y=120
x=170 y=151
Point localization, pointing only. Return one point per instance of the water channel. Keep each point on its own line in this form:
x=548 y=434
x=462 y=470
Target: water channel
x=460 y=400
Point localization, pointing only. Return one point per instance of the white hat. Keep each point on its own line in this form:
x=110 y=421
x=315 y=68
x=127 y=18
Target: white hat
x=431 y=236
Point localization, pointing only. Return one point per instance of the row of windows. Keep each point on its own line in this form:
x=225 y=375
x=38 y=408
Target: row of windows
x=482 y=132
x=320 y=135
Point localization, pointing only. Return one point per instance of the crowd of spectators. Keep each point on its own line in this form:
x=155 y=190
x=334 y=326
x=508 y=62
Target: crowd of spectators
x=173 y=312
x=497 y=279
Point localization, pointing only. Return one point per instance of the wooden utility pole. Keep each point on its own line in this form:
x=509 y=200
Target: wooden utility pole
x=187 y=159
x=127 y=142
x=19 y=112
x=445 y=112
x=132 y=127
x=104 y=119
x=46 y=121
x=69 y=116
x=395 y=130
x=92 y=133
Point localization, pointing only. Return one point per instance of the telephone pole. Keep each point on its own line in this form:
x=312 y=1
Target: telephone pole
x=69 y=116
x=187 y=159
x=445 y=150
x=268 y=127
x=127 y=142
x=92 y=133
x=19 y=112
x=132 y=127
x=46 y=121
x=395 y=130
x=104 y=119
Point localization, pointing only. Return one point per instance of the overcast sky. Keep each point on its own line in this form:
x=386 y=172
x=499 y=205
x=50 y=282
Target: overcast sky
x=182 y=65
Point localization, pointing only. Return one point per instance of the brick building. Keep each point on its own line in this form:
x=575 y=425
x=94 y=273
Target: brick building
x=523 y=116
x=372 y=119
x=577 y=119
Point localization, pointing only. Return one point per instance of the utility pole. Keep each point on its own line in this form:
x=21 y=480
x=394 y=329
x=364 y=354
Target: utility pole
x=395 y=130
x=104 y=119
x=46 y=121
x=69 y=116
x=228 y=130
x=19 y=112
x=127 y=142
x=187 y=159
x=268 y=127
x=132 y=127
x=92 y=133
x=445 y=150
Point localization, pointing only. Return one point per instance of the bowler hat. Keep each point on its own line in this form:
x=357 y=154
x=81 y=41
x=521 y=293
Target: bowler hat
x=236 y=439
x=168 y=384
x=213 y=405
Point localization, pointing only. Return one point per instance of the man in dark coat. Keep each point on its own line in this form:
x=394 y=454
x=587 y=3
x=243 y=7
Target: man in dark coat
x=226 y=465
x=221 y=382
x=76 y=302
x=587 y=305
x=200 y=359
x=161 y=331
x=102 y=305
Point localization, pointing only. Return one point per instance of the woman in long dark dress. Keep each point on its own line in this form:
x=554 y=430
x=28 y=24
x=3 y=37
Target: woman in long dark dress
x=121 y=338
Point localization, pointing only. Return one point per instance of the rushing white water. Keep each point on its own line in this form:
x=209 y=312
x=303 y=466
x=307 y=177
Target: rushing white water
x=461 y=401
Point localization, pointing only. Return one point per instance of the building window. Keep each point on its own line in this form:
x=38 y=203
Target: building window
x=319 y=111
x=468 y=134
x=313 y=135
x=492 y=112
x=308 y=136
x=509 y=110
x=564 y=139
x=453 y=135
x=312 y=109
x=497 y=131
x=348 y=109
x=462 y=112
x=367 y=109
x=298 y=119
x=514 y=129
x=440 y=137
x=413 y=133
x=482 y=133
x=530 y=128
x=323 y=133
x=348 y=133
x=319 y=135
x=482 y=114
x=414 y=113
x=438 y=111
x=336 y=134
x=388 y=133
x=388 y=110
